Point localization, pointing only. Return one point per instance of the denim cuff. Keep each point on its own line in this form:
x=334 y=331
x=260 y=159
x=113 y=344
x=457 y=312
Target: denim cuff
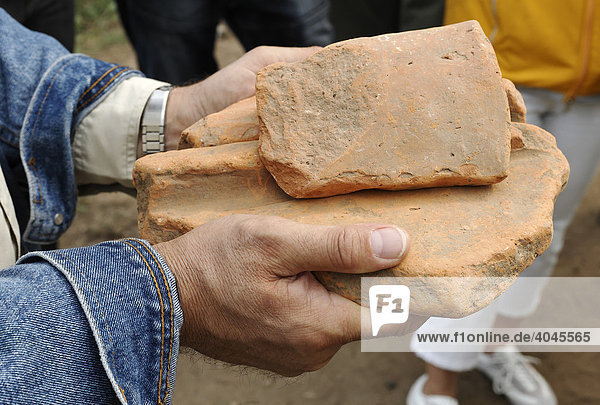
x=129 y=297
x=71 y=87
x=45 y=92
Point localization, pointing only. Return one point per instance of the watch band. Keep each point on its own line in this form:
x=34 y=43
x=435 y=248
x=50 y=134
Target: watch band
x=153 y=121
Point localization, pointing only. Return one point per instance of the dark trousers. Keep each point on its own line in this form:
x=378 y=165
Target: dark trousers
x=174 y=40
x=53 y=17
x=363 y=18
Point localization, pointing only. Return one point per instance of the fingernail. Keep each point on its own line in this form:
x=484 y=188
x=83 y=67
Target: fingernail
x=388 y=243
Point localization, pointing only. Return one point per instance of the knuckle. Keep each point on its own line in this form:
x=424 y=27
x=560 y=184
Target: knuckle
x=260 y=232
x=245 y=224
x=258 y=52
x=241 y=225
x=344 y=251
x=243 y=230
x=261 y=49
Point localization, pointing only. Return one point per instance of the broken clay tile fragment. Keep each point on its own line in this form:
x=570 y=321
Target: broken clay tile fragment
x=516 y=138
x=221 y=178
x=235 y=123
x=479 y=232
x=410 y=110
x=516 y=104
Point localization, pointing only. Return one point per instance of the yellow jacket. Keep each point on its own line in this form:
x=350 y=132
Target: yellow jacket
x=550 y=44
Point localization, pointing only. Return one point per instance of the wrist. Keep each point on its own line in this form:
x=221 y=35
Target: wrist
x=175 y=257
x=151 y=132
x=184 y=107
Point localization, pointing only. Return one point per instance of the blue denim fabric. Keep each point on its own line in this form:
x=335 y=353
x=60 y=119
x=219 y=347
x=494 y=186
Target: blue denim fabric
x=126 y=294
x=93 y=325
x=44 y=93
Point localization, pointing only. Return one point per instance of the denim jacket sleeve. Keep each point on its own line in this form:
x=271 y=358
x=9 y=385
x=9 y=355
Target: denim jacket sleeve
x=48 y=354
x=91 y=325
x=45 y=91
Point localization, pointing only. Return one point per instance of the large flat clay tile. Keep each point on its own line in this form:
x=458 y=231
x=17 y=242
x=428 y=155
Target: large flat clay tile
x=482 y=232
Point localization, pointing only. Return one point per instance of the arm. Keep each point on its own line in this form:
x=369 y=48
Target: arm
x=89 y=325
x=50 y=98
x=44 y=93
x=249 y=296
x=242 y=283
x=107 y=157
x=245 y=280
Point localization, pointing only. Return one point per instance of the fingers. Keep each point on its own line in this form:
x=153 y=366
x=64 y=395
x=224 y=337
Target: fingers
x=352 y=322
x=357 y=248
x=266 y=55
x=344 y=318
x=288 y=55
x=413 y=323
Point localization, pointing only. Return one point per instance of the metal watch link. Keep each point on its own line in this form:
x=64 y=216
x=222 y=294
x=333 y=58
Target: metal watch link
x=153 y=121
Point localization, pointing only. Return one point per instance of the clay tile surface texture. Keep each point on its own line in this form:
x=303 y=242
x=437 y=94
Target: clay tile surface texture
x=410 y=110
x=477 y=232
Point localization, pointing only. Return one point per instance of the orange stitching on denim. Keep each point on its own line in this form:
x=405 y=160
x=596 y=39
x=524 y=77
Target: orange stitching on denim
x=97 y=81
x=102 y=89
x=39 y=112
x=162 y=318
x=31 y=162
x=171 y=303
x=103 y=316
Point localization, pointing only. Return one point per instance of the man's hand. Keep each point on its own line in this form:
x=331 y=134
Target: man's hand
x=248 y=296
x=231 y=84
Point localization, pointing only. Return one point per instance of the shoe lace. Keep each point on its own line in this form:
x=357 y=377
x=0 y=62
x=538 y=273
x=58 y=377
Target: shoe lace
x=513 y=366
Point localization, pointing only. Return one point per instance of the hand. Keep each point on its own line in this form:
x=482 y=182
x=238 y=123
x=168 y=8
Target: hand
x=248 y=296
x=229 y=85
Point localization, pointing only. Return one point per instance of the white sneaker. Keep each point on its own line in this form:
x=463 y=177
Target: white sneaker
x=513 y=375
x=416 y=396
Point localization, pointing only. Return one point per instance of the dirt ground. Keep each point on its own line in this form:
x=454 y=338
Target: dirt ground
x=352 y=377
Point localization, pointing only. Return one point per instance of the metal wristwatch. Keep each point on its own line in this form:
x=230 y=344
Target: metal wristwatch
x=153 y=121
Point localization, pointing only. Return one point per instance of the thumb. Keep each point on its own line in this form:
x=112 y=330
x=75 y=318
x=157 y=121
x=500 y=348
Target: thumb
x=356 y=248
x=263 y=56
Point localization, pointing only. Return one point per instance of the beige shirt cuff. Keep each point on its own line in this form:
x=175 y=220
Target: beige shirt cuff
x=105 y=144
x=9 y=228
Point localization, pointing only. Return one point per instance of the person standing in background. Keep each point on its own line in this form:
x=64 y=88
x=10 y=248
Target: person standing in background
x=53 y=17
x=174 y=42
x=551 y=51
x=102 y=324
x=361 y=18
